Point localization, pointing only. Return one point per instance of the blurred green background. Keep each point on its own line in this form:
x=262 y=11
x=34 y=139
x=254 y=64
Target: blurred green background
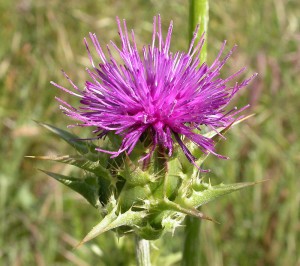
x=41 y=221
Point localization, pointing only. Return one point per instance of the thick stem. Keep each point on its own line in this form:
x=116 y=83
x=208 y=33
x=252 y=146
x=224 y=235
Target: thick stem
x=142 y=249
x=191 y=250
x=198 y=14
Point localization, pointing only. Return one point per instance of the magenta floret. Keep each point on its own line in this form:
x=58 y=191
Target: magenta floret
x=168 y=95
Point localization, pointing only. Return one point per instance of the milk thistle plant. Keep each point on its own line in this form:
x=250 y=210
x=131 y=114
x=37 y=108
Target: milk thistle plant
x=157 y=115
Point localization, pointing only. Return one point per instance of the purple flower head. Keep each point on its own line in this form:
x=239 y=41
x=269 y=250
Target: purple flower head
x=164 y=94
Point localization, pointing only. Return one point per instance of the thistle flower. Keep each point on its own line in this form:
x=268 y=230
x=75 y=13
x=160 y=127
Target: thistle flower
x=153 y=99
x=156 y=92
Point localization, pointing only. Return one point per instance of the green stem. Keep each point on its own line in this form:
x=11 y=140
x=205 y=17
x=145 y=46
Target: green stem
x=198 y=14
x=142 y=248
x=191 y=251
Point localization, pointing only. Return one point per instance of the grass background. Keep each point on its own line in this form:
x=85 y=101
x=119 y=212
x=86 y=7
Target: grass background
x=41 y=221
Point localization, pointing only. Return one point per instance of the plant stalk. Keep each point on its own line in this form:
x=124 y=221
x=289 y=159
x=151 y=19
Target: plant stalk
x=191 y=250
x=142 y=248
x=198 y=14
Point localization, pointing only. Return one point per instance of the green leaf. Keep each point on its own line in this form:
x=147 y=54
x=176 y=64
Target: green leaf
x=149 y=233
x=112 y=221
x=79 y=161
x=167 y=205
x=206 y=193
x=81 y=147
x=87 y=187
x=86 y=148
x=133 y=174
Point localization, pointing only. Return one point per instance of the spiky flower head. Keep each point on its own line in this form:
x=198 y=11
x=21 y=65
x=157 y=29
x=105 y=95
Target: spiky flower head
x=153 y=103
x=156 y=92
